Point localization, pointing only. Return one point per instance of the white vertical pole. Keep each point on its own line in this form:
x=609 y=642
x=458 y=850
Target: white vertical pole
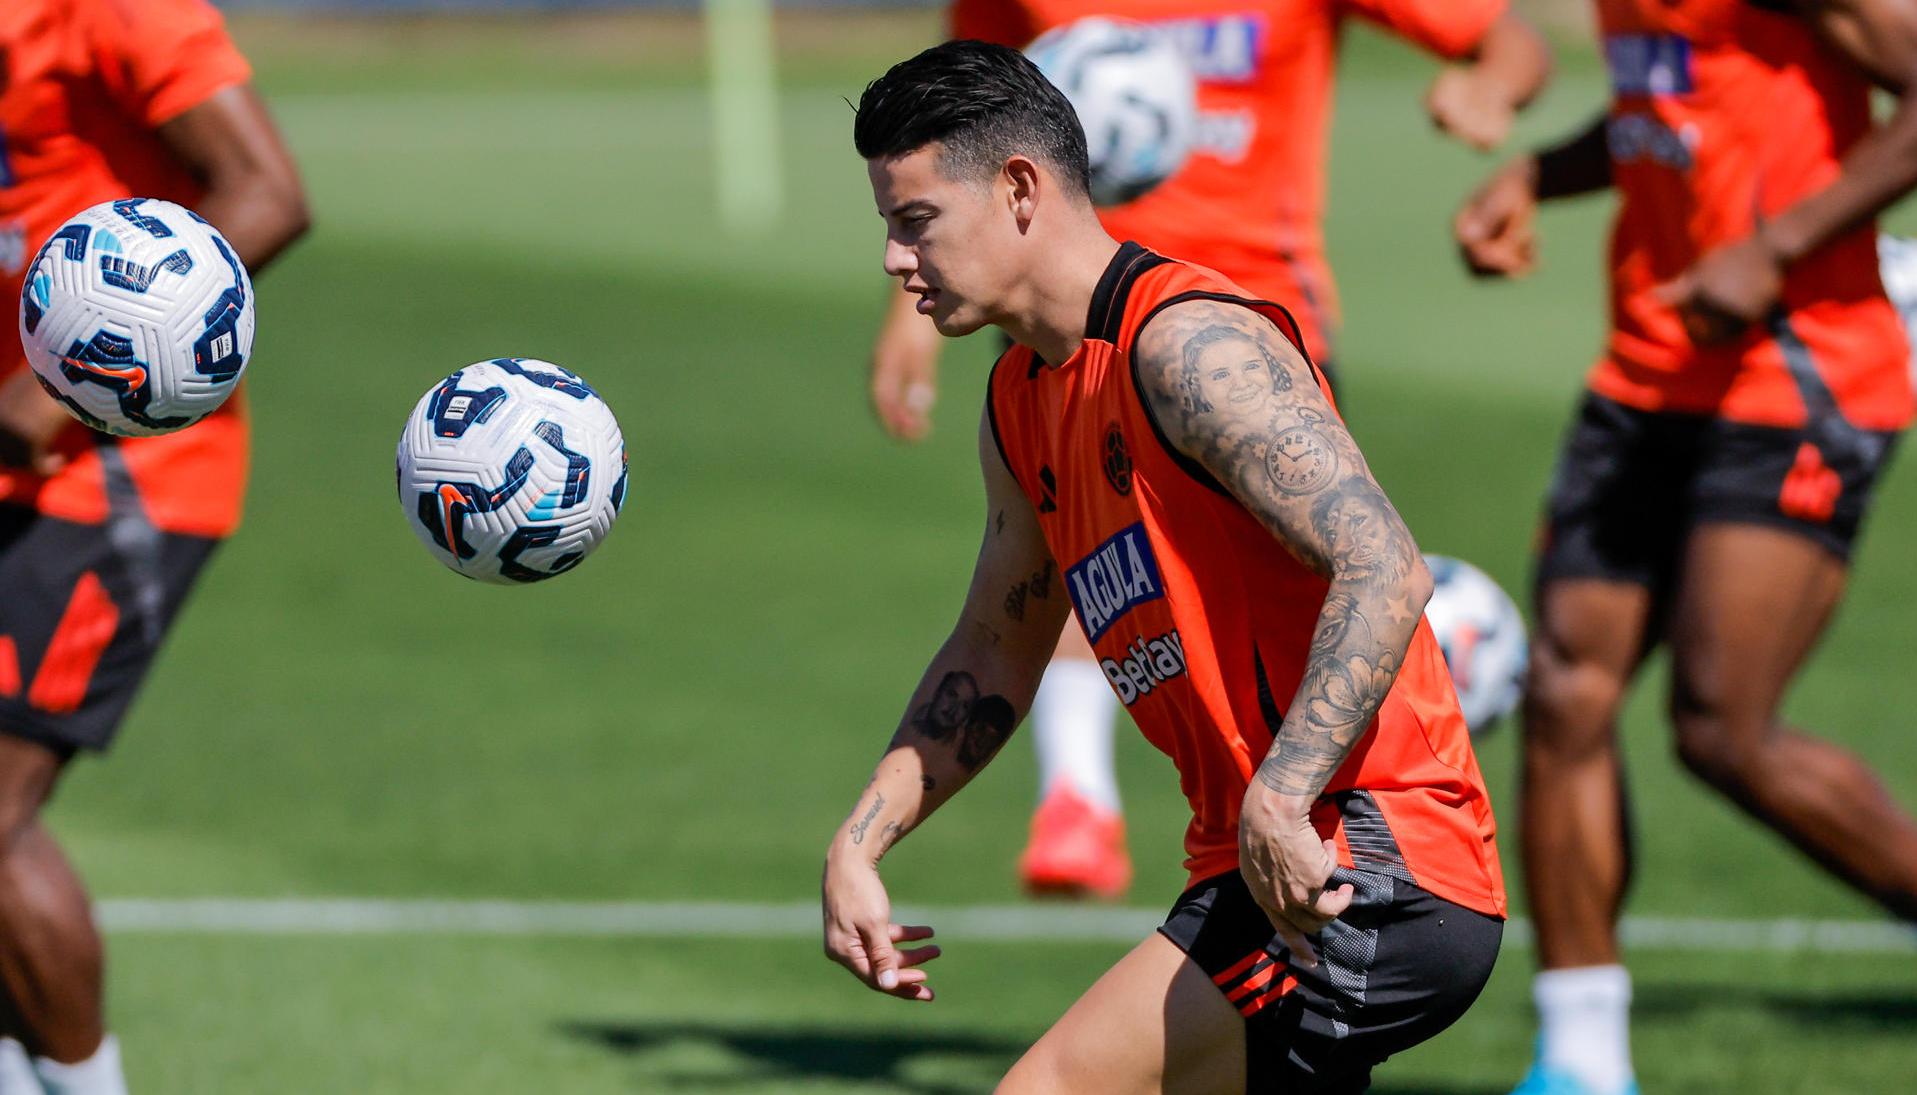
x=745 y=114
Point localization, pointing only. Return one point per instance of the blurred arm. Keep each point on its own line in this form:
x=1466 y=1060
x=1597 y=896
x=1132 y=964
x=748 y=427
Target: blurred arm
x=1477 y=102
x=905 y=368
x=1880 y=38
x=253 y=193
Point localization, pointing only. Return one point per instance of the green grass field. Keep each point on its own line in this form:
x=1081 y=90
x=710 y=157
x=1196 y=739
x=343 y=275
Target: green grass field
x=690 y=714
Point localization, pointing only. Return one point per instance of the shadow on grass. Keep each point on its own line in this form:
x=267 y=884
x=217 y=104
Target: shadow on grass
x=794 y=1054
x=1884 y=1010
x=1412 y=1087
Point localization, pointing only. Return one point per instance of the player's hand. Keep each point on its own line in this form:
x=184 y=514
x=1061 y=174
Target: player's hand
x=860 y=934
x=1471 y=109
x=1286 y=866
x=1728 y=290
x=1495 y=228
x=29 y=422
x=905 y=375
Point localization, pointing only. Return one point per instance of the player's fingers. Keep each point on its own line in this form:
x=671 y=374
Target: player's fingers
x=1331 y=904
x=1303 y=954
x=909 y=933
x=918 y=956
x=885 y=960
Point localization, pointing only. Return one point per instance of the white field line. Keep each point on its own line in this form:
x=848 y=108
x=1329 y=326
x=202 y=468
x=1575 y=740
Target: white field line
x=736 y=920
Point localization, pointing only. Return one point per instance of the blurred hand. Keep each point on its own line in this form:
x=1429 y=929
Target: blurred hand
x=1473 y=110
x=29 y=422
x=860 y=935
x=1495 y=227
x=905 y=374
x=1729 y=289
x=1286 y=867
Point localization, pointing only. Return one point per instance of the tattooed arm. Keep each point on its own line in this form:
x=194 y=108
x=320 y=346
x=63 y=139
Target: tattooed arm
x=1233 y=395
x=971 y=696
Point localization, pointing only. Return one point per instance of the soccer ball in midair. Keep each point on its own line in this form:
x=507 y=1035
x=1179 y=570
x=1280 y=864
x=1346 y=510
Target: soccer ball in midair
x=1135 y=97
x=511 y=470
x=1482 y=635
x=138 y=317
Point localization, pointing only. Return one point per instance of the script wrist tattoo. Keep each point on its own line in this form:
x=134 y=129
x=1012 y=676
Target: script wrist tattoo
x=860 y=826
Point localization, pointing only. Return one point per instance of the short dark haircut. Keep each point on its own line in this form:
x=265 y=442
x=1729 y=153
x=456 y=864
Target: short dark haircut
x=983 y=103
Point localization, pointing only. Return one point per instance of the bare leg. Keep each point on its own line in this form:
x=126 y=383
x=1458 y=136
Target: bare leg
x=1752 y=603
x=1153 y=1023
x=50 y=954
x=1591 y=636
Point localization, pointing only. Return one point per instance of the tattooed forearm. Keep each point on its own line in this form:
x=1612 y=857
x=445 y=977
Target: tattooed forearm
x=978 y=724
x=860 y=826
x=1231 y=393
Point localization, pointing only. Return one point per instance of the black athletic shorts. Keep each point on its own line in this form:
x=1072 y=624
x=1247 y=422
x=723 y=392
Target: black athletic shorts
x=82 y=611
x=1632 y=484
x=1398 y=967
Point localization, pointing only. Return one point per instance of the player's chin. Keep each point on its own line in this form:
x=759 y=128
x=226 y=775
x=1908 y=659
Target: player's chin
x=954 y=321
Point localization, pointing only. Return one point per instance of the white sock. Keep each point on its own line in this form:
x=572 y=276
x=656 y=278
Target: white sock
x=1072 y=730
x=16 y=1072
x=97 y=1075
x=1584 y=1019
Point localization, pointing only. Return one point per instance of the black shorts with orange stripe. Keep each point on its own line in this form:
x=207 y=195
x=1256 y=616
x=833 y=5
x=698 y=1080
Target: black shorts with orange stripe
x=83 y=609
x=1399 y=966
x=1631 y=485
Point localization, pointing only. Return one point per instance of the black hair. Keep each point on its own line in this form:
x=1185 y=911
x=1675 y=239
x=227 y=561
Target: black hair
x=983 y=103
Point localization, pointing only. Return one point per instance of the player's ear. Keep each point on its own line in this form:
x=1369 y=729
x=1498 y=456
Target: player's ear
x=1021 y=178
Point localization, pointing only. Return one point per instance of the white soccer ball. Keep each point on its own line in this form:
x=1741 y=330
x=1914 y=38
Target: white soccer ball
x=1482 y=635
x=1135 y=96
x=138 y=317
x=1897 y=266
x=511 y=470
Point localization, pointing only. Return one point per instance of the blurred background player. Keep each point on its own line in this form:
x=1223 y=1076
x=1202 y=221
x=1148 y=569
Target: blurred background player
x=101 y=538
x=1710 y=490
x=1345 y=900
x=1249 y=204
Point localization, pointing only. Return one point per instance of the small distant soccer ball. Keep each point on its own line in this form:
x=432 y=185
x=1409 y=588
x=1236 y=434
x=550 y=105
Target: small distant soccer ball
x=511 y=470
x=138 y=317
x=1135 y=96
x=1897 y=266
x=1482 y=635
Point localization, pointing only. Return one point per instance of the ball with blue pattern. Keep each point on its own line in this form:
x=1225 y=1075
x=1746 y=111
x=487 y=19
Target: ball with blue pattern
x=1481 y=632
x=137 y=317
x=1135 y=95
x=511 y=470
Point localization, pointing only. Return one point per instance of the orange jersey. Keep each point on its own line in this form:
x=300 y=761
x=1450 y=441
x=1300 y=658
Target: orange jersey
x=83 y=84
x=1203 y=621
x=1250 y=200
x=1724 y=114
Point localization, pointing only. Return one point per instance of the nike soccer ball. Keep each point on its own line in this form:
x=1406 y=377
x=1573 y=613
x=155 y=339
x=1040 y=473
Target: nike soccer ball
x=138 y=317
x=1135 y=97
x=1482 y=636
x=511 y=470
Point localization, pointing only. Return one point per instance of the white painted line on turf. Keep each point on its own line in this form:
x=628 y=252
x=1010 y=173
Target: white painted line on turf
x=743 y=920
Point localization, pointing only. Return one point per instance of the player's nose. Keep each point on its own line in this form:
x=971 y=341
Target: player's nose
x=900 y=260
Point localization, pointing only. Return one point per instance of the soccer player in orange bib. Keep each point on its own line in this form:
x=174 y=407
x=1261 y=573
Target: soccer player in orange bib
x=1248 y=203
x=101 y=538
x=1160 y=454
x=1753 y=384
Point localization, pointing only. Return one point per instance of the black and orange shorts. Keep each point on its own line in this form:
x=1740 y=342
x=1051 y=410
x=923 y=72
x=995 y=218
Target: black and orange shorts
x=1398 y=967
x=83 y=609
x=1631 y=484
